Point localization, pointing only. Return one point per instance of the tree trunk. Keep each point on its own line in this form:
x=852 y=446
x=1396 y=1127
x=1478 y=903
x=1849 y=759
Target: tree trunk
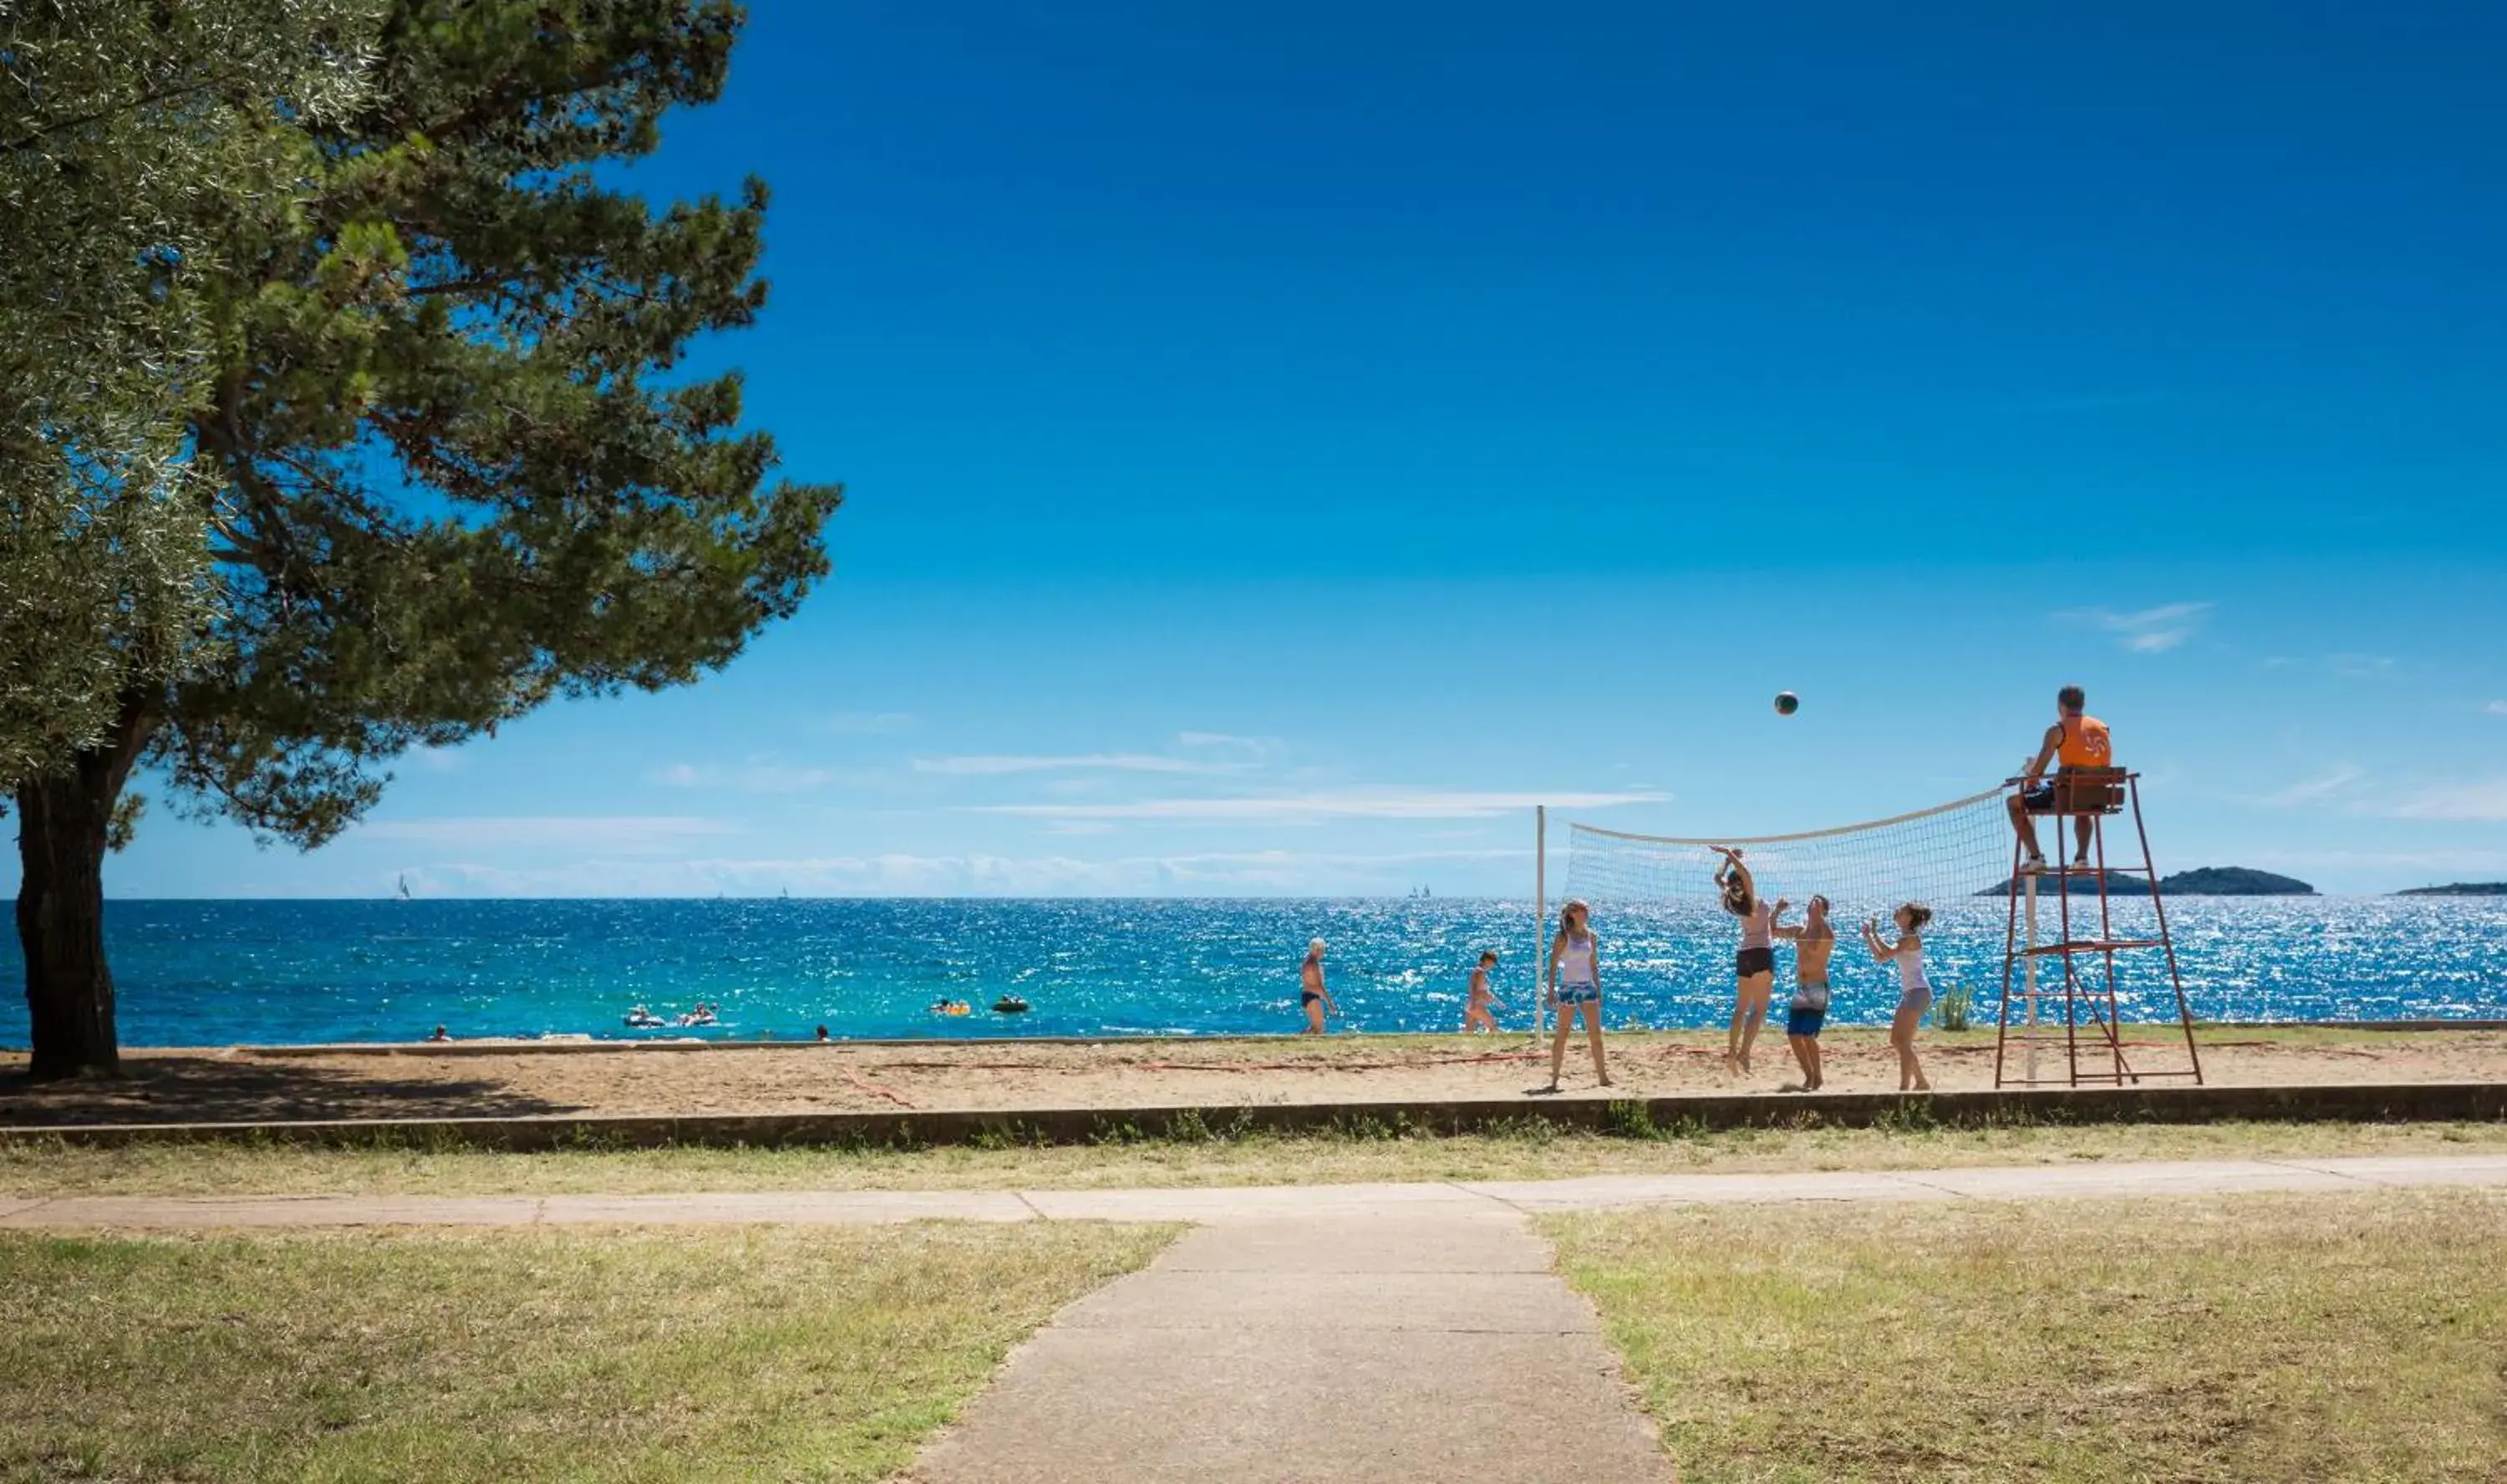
x=62 y=824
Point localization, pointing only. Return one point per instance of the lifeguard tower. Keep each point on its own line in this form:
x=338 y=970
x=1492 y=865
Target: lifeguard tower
x=2090 y=1037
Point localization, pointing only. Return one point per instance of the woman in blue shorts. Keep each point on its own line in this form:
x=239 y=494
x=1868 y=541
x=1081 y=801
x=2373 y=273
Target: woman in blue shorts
x=1576 y=987
x=1914 y=989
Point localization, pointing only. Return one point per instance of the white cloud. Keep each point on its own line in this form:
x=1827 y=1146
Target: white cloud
x=2495 y=709
x=611 y=830
x=869 y=723
x=889 y=875
x=750 y=778
x=2484 y=802
x=1252 y=746
x=434 y=760
x=1348 y=804
x=2150 y=630
x=2314 y=790
x=2361 y=667
x=1117 y=762
x=973 y=874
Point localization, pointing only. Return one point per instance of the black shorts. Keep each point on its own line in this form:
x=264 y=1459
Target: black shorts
x=2073 y=792
x=1307 y=997
x=1755 y=960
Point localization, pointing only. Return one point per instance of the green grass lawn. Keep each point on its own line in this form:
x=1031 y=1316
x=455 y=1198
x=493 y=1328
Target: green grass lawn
x=1531 y=1151
x=2346 y=1337
x=743 y=1354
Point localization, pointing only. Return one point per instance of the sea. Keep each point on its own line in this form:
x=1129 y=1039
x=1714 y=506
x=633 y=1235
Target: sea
x=192 y=973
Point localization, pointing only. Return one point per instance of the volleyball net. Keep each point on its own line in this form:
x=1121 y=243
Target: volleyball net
x=1936 y=855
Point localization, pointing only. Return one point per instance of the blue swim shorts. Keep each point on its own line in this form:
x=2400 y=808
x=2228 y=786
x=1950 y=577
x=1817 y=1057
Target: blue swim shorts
x=1804 y=1022
x=1579 y=994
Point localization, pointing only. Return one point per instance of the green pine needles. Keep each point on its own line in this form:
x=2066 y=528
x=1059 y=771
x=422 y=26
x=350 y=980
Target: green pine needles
x=437 y=459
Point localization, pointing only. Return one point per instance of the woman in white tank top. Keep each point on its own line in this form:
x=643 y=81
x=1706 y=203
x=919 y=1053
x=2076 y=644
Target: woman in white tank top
x=1915 y=990
x=1575 y=988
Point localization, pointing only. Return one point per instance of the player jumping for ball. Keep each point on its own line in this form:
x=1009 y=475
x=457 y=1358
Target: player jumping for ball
x=1755 y=966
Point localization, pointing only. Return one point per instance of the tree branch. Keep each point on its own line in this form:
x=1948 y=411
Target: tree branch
x=80 y=120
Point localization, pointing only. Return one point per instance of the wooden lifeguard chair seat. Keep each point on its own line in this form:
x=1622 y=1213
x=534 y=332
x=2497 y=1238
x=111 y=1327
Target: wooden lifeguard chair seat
x=2090 y=791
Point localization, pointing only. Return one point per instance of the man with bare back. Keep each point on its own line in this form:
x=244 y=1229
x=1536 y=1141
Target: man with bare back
x=1311 y=993
x=1813 y=942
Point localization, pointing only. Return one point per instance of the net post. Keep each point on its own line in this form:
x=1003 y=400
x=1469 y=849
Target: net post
x=2030 y=991
x=1540 y=910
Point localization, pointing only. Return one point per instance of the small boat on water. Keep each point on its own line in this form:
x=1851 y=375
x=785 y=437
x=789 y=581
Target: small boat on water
x=642 y=1019
x=1009 y=1004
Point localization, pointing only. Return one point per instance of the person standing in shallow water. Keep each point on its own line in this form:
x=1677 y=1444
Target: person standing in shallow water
x=1576 y=987
x=1312 y=996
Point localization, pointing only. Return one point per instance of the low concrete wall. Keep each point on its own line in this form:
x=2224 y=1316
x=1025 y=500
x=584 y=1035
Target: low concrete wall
x=2445 y=1102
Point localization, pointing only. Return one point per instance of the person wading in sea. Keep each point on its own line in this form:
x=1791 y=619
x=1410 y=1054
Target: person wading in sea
x=1311 y=993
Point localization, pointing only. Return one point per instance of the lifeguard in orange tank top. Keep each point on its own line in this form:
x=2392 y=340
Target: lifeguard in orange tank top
x=2079 y=742
x=2086 y=744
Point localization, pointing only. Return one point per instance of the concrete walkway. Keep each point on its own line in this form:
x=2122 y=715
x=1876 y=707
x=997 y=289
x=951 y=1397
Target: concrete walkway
x=1412 y=1346
x=1254 y=1203
x=1394 y=1334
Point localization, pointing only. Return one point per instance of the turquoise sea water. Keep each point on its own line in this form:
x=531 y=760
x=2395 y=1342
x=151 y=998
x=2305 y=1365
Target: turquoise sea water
x=216 y=973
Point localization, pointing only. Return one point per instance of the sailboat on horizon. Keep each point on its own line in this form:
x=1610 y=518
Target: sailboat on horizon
x=404 y=886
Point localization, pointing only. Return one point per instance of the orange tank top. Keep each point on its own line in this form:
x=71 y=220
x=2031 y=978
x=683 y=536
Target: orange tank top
x=2086 y=744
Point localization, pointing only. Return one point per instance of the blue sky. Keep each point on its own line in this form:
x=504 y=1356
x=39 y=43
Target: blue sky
x=1284 y=444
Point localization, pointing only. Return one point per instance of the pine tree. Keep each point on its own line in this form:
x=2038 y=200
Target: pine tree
x=124 y=129
x=458 y=471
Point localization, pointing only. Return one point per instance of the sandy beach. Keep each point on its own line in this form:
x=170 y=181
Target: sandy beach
x=489 y=1079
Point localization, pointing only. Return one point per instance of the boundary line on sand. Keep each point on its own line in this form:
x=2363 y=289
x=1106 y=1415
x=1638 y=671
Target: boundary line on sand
x=2387 y=1102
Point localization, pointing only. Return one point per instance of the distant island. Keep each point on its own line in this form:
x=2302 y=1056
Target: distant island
x=2233 y=881
x=2460 y=889
x=2205 y=881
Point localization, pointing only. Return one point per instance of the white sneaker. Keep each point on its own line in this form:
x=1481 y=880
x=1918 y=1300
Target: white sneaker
x=2034 y=865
